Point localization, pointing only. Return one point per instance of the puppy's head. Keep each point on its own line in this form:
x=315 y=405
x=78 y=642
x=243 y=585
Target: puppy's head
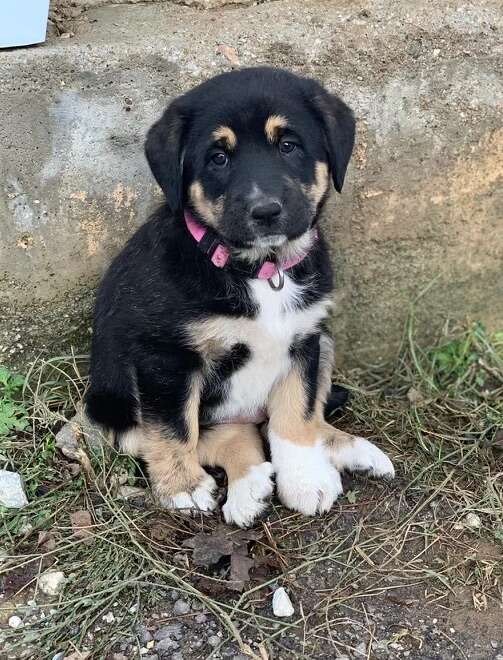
x=251 y=153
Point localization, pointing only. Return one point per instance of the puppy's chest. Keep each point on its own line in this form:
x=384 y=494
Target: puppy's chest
x=268 y=337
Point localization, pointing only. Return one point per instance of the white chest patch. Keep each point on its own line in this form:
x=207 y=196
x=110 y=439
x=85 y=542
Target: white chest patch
x=268 y=337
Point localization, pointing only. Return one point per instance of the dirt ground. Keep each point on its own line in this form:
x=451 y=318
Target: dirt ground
x=407 y=569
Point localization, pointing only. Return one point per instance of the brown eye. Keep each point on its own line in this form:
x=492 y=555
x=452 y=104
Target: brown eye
x=220 y=159
x=286 y=147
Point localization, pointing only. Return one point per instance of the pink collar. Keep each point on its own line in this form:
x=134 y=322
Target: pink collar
x=219 y=254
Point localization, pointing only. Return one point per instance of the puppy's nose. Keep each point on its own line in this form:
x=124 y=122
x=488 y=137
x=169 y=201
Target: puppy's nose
x=266 y=210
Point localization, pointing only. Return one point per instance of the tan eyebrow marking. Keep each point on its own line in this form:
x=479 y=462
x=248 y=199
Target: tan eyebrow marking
x=273 y=126
x=227 y=135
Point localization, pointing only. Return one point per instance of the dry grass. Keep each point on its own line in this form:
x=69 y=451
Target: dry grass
x=438 y=412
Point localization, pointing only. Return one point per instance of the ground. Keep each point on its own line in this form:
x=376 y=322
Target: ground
x=407 y=569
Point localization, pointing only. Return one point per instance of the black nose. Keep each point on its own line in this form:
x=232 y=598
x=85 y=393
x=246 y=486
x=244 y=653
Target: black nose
x=266 y=210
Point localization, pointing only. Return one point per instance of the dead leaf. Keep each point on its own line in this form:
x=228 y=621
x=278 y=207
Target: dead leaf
x=46 y=541
x=158 y=532
x=208 y=549
x=240 y=570
x=415 y=397
x=229 y=53
x=81 y=525
x=78 y=655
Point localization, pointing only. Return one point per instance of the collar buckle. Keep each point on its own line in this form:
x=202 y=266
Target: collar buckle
x=281 y=280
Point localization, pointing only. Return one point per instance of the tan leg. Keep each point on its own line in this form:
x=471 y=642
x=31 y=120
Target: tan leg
x=237 y=448
x=306 y=480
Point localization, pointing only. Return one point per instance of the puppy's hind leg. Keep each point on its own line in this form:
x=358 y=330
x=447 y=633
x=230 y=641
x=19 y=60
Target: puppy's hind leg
x=237 y=448
x=355 y=454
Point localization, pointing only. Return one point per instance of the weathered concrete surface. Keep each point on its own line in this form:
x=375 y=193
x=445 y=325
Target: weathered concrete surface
x=423 y=201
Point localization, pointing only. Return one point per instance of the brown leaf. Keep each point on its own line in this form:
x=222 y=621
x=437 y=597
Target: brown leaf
x=81 y=525
x=208 y=549
x=46 y=541
x=158 y=532
x=240 y=570
x=229 y=53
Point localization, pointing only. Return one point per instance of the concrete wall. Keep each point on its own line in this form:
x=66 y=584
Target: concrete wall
x=423 y=202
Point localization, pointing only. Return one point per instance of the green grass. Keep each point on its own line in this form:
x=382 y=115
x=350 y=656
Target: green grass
x=437 y=410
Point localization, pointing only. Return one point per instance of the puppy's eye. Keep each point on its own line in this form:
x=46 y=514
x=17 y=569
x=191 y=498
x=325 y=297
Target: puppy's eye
x=286 y=146
x=220 y=159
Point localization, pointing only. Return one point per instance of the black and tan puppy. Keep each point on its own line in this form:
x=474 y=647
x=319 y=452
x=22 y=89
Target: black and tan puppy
x=210 y=321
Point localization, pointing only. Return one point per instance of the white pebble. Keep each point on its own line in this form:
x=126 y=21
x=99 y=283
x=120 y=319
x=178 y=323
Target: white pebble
x=472 y=520
x=15 y=622
x=51 y=582
x=108 y=617
x=12 y=494
x=281 y=603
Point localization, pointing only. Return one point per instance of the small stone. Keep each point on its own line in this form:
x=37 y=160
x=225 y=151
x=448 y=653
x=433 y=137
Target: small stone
x=167 y=645
x=201 y=618
x=145 y=635
x=15 y=622
x=59 y=656
x=473 y=521
x=51 y=582
x=281 y=603
x=181 y=607
x=173 y=631
x=12 y=495
x=150 y=644
x=214 y=641
x=494 y=643
x=130 y=492
x=361 y=650
x=108 y=617
x=177 y=656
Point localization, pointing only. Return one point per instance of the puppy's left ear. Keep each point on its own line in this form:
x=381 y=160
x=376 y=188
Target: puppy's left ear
x=163 y=149
x=339 y=123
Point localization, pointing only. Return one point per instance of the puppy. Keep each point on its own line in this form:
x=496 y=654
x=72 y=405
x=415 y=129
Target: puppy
x=210 y=322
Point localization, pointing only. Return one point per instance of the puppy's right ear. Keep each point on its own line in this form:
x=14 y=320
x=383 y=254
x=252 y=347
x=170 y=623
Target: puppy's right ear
x=163 y=149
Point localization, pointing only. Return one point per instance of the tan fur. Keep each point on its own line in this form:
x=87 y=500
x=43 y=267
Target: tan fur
x=233 y=447
x=273 y=127
x=172 y=462
x=287 y=408
x=210 y=211
x=173 y=465
x=226 y=135
x=318 y=189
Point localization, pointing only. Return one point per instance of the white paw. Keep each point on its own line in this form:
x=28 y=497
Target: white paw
x=247 y=497
x=200 y=499
x=305 y=478
x=360 y=455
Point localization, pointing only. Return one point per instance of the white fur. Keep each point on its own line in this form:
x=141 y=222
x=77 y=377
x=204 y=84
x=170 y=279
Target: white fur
x=247 y=497
x=361 y=456
x=306 y=480
x=200 y=499
x=130 y=441
x=268 y=337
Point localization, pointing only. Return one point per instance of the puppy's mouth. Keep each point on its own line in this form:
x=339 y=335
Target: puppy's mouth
x=272 y=240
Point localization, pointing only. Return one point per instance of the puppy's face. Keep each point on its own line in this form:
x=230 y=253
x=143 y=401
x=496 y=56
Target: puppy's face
x=250 y=153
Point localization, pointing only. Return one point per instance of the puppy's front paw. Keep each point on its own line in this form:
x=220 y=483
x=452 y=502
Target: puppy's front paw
x=360 y=455
x=305 y=478
x=199 y=499
x=247 y=497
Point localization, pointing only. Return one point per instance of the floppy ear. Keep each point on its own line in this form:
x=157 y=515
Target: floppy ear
x=163 y=149
x=339 y=123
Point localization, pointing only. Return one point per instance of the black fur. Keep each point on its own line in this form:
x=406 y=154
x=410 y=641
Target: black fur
x=142 y=360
